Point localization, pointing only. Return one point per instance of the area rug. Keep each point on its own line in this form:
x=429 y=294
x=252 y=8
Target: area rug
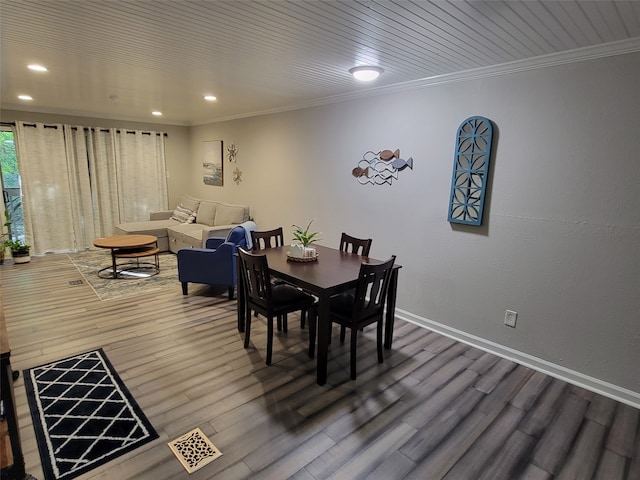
x=83 y=415
x=90 y=262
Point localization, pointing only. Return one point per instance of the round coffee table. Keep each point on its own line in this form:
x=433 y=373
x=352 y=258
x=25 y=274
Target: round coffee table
x=130 y=247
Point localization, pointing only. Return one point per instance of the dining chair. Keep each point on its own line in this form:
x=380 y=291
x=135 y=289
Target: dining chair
x=365 y=306
x=262 y=239
x=349 y=244
x=267 y=238
x=271 y=300
x=359 y=246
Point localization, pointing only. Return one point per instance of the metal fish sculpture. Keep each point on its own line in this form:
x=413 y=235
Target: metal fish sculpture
x=360 y=172
x=401 y=164
x=386 y=155
x=380 y=168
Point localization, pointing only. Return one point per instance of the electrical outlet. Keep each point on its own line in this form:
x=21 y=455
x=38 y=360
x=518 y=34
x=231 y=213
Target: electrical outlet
x=510 y=318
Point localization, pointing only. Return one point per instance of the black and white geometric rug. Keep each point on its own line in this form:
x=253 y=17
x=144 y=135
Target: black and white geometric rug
x=83 y=414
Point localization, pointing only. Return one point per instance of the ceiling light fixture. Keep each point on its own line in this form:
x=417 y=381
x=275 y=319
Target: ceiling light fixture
x=37 y=68
x=210 y=98
x=27 y=98
x=157 y=113
x=366 y=73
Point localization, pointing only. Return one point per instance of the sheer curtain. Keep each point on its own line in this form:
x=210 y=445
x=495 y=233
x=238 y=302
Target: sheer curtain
x=79 y=182
x=139 y=159
x=47 y=202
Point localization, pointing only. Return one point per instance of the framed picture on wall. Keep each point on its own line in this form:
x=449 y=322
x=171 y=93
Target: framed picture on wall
x=212 y=165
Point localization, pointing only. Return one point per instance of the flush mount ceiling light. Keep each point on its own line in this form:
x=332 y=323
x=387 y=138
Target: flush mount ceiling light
x=157 y=113
x=37 y=68
x=26 y=98
x=366 y=73
x=210 y=98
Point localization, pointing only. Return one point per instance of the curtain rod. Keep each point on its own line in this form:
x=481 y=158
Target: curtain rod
x=164 y=134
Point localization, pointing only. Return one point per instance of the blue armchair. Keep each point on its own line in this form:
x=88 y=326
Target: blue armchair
x=213 y=265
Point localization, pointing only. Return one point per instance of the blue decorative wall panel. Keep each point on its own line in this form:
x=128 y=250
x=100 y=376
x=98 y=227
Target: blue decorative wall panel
x=470 y=171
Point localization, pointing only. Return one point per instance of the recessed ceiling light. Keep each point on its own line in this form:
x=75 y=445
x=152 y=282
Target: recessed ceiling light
x=27 y=98
x=37 y=68
x=210 y=98
x=157 y=113
x=366 y=73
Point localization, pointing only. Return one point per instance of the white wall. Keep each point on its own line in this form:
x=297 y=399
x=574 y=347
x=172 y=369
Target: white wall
x=561 y=234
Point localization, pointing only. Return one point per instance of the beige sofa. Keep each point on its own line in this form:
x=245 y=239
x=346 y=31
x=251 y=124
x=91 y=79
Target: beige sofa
x=189 y=225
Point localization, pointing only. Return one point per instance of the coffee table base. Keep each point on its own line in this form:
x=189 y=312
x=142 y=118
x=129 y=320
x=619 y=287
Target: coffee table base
x=128 y=270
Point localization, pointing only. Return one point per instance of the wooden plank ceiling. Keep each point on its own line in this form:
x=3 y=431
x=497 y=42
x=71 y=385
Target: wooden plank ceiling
x=122 y=59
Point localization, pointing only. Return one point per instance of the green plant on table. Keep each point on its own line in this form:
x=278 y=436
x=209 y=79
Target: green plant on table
x=304 y=236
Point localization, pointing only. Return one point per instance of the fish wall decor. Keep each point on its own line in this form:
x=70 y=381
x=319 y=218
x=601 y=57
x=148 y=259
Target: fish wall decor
x=380 y=168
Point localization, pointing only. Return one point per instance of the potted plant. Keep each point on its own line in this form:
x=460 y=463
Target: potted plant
x=19 y=250
x=306 y=238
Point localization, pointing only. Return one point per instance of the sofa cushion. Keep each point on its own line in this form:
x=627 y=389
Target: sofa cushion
x=185 y=235
x=207 y=213
x=157 y=228
x=183 y=215
x=229 y=214
x=189 y=202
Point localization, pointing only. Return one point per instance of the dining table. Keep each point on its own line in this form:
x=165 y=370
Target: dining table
x=332 y=272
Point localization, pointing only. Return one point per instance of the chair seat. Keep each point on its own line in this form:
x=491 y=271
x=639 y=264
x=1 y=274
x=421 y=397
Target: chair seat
x=286 y=297
x=342 y=304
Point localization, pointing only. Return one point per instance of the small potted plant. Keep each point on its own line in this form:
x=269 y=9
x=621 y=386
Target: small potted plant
x=20 y=251
x=306 y=238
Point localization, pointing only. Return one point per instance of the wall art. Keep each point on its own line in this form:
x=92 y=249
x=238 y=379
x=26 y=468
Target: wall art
x=237 y=175
x=232 y=152
x=212 y=166
x=470 y=171
x=380 y=168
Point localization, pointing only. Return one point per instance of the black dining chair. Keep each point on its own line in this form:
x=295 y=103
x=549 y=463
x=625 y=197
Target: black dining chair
x=349 y=244
x=261 y=240
x=359 y=246
x=270 y=300
x=267 y=238
x=365 y=306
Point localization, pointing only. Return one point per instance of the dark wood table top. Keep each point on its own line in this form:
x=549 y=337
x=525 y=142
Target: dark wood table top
x=334 y=271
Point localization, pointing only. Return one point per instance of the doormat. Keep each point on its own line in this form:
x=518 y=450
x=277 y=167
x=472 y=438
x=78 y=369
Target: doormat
x=83 y=414
x=194 y=450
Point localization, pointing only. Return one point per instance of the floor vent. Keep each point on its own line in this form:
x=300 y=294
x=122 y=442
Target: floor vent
x=73 y=283
x=194 y=450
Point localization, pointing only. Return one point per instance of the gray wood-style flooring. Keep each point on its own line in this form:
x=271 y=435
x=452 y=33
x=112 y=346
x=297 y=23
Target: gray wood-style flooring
x=436 y=408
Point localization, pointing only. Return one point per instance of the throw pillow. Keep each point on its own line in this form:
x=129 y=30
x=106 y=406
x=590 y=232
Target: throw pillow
x=229 y=214
x=183 y=215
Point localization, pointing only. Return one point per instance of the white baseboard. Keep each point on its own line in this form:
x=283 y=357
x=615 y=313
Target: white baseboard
x=601 y=387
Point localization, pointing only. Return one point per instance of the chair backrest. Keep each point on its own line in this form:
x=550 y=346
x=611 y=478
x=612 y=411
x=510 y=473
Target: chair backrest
x=359 y=246
x=371 y=291
x=267 y=238
x=256 y=279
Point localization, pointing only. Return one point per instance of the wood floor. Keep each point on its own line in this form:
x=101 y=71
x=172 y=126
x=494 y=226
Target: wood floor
x=435 y=409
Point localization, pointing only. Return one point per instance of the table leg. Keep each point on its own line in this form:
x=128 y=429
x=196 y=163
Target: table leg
x=323 y=331
x=113 y=263
x=391 y=308
x=241 y=302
